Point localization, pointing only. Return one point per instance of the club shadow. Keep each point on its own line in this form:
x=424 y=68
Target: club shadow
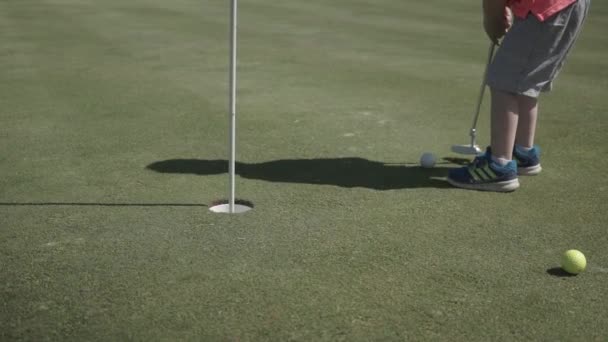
x=341 y=172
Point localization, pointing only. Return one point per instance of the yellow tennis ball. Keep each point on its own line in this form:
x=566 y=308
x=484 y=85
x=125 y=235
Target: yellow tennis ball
x=574 y=261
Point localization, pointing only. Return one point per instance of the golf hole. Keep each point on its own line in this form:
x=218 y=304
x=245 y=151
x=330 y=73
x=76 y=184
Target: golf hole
x=223 y=206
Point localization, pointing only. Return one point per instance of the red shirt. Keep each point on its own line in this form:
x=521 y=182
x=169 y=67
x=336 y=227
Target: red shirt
x=542 y=9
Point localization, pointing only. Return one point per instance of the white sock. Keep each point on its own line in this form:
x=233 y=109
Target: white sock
x=500 y=161
x=523 y=148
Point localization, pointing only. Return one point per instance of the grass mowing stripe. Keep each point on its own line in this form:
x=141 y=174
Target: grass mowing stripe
x=119 y=84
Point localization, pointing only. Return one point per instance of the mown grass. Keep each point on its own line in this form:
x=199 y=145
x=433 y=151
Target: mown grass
x=114 y=134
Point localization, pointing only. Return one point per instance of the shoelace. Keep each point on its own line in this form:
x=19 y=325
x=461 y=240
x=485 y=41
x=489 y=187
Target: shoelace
x=479 y=162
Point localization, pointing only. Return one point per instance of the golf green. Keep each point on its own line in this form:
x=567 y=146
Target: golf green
x=114 y=135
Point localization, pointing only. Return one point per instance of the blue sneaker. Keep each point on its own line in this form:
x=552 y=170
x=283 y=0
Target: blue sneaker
x=486 y=175
x=528 y=162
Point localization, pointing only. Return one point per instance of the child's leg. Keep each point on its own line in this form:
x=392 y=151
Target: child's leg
x=526 y=126
x=513 y=122
x=494 y=170
x=504 y=121
x=525 y=152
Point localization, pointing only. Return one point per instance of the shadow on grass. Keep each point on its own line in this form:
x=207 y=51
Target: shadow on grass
x=342 y=172
x=559 y=272
x=17 y=204
x=458 y=161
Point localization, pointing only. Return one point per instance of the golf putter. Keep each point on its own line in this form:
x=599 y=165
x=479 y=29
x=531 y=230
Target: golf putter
x=472 y=147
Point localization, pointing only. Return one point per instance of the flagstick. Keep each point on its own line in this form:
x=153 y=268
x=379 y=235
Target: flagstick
x=231 y=167
x=221 y=206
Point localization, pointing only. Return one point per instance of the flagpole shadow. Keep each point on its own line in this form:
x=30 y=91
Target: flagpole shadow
x=93 y=204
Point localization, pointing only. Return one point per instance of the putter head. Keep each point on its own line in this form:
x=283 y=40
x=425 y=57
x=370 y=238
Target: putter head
x=466 y=149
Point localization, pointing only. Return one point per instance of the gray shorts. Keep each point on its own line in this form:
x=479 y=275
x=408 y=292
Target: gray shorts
x=533 y=52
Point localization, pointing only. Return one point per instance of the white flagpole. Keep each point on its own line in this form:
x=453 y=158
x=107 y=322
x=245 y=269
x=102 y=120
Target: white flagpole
x=231 y=167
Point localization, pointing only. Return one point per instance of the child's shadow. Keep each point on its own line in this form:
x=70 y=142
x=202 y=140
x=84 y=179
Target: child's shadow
x=342 y=172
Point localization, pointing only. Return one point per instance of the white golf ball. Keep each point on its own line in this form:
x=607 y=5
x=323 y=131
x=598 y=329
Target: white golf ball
x=427 y=160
